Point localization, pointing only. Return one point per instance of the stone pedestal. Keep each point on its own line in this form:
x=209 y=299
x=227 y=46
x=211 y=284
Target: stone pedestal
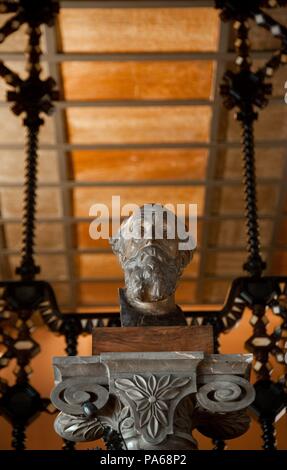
x=154 y=400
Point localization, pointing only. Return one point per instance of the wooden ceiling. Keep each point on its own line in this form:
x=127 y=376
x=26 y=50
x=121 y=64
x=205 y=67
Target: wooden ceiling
x=140 y=117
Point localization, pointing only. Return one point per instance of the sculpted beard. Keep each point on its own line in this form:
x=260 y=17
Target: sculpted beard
x=151 y=276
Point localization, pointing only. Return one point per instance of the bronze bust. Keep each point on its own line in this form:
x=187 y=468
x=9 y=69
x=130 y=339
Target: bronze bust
x=148 y=248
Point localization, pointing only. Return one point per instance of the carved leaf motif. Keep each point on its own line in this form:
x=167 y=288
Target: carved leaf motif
x=124 y=384
x=141 y=383
x=141 y=405
x=135 y=394
x=125 y=419
x=124 y=413
x=163 y=382
x=152 y=384
x=162 y=405
x=161 y=417
x=75 y=428
x=145 y=416
x=153 y=427
x=128 y=423
x=179 y=382
x=169 y=394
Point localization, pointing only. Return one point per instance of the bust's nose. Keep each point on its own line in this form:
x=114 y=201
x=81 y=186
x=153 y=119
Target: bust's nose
x=152 y=246
x=151 y=242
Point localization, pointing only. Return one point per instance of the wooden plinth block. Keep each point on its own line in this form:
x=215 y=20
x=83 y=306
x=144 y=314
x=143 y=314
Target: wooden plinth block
x=153 y=339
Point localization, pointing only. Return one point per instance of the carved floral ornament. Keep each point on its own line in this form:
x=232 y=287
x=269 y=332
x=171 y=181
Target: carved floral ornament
x=152 y=397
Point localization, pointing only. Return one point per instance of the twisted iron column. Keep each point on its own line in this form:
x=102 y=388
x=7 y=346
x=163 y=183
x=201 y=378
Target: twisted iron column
x=28 y=267
x=269 y=434
x=18 y=437
x=254 y=264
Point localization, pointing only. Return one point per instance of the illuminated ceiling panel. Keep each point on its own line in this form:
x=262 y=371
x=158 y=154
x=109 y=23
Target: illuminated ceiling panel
x=12 y=164
x=230 y=233
x=49 y=236
x=137 y=80
x=152 y=124
x=269 y=163
x=11 y=202
x=139 y=30
x=225 y=265
x=139 y=165
x=11 y=129
x=231 y=203
x=84 y=198
x=52 y=266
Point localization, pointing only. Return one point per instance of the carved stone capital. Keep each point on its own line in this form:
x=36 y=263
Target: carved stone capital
x=154 y=400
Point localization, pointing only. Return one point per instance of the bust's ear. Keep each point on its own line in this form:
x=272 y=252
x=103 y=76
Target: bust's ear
x=117 y=245
x=114 y=242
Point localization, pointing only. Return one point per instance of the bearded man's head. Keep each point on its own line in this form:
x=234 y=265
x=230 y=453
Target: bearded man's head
x=149 y=255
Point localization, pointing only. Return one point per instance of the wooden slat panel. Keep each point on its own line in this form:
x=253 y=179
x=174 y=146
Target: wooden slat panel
x=141 y=30
x=153 y=339
x=225 y=263
x=186 y=292
x=83 y=239
x=103 y=293
x=12 y=164
x=139 y=165
x=282 y=233
x=231 y=200
x=48 y=236
x=62 y=292
x=279 y=263
x=99 y=266
x=84 y=198
x=12 y=130
x=52 y=266
x=269 y=163
x=106 y=266
x=48 y=202
x=271 y=125
x=137 y=80
x=215 y=291
x=139 y=125
x=231 y=233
